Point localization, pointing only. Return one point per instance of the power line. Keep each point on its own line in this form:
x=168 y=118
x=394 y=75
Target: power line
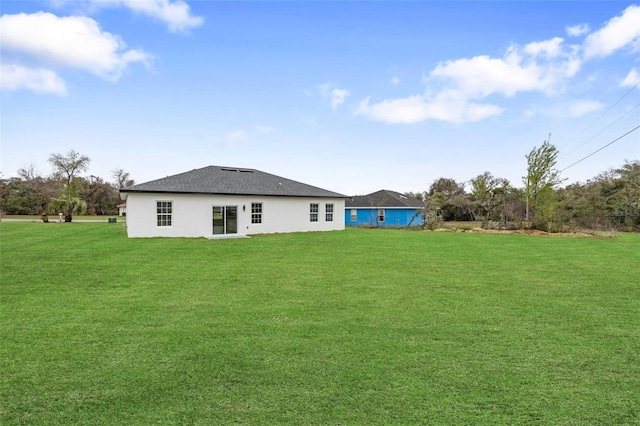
x=601 y=115
x=600 y=149
x=610 y=124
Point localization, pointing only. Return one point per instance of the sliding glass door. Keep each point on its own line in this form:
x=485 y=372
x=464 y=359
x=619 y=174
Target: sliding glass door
x=225 y=220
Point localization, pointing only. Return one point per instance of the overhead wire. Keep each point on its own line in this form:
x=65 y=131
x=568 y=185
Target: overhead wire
x=610 y=124
x=601 y=148
x=599 y=117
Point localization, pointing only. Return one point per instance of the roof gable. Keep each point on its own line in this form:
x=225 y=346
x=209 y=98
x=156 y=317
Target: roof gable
x=230 y=181
x=383 y=198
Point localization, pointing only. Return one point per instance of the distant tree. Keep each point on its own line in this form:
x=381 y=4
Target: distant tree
x=447 y=187
x=490 y=195
x=101 y=197
x=16 y=197
x=122 y=179
x=67 y=167
x=72 y=205
x=41 y=189
x=433 y=206
x=541 y=180
x=451 y=199
x=629 y=195
x=416 y=195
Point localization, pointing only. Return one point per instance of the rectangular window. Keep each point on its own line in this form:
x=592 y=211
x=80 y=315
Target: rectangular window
x=313 y=212
x=163 y=213
x=328 y=212
x=354 y=215
x=380 y=215
x=256 y=212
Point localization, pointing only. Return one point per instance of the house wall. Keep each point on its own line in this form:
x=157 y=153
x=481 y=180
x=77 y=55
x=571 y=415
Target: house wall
x=192 y=214
x=394 y=217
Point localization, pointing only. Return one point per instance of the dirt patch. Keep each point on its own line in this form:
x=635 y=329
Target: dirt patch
x=531 y=232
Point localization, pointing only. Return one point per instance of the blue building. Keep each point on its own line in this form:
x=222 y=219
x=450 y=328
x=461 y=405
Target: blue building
x=383 y=209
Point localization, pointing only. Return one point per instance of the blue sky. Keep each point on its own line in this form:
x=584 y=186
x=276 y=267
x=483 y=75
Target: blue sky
x=349 y=96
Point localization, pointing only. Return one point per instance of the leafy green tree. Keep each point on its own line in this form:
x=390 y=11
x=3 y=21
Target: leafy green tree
x=541 y=180
x=101 y=197
x=451 y=199
x=72 y=205
x=490 y=194
x=67 y=166
x=17 y=197
x=629 y=194
x=40 y=189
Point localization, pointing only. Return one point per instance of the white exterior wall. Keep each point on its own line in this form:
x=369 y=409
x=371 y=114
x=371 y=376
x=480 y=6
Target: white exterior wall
x=192 y=214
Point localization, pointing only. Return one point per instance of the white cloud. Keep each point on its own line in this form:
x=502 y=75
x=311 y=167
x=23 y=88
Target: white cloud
x=620 y=32
x=235 y=137
x=418 y=108
x=632 y=78
x=580 y=108
x=39 y=80
x=539 y=66
x=337 y=97
x=577 y=30
x=455 y=88
x=175 y=14
x=332 y=93
x=550 y=48
x=74 y=41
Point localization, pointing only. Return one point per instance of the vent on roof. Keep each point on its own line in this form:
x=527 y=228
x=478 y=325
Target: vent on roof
x=227 y=169
x=403 y=197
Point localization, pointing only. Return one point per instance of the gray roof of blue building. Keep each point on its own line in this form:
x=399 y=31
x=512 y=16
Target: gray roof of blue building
x=230 y=181
x=383 y=198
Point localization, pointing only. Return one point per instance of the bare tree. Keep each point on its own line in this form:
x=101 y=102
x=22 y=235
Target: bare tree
x=122 y=179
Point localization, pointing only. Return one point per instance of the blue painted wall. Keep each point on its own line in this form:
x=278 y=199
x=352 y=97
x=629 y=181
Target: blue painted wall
x=393 y=217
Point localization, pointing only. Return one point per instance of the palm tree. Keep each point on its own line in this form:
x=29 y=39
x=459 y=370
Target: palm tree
x=67 y=167
x=69 y=205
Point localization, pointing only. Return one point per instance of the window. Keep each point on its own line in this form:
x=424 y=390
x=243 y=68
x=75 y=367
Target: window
x=354 y=215
x=256 y=212
x=163 y=212
x=313 y=212
x=380 y=215
x=328 y=212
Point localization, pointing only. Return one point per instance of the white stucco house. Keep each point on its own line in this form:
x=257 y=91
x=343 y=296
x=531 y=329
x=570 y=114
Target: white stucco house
x=218 y=202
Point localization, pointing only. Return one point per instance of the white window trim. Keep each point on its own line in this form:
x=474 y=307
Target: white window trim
x=312 y=212
x=328 y=215
x=164 y=214
x=261 y=213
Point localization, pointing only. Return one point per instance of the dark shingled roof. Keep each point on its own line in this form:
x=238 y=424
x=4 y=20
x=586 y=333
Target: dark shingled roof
x=231 y=181
x=383 y=198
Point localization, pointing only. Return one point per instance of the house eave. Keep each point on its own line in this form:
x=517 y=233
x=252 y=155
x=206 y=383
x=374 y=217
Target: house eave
x=242 y=194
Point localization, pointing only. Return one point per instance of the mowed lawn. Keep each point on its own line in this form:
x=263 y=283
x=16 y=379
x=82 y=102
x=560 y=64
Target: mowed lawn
x=359 y=327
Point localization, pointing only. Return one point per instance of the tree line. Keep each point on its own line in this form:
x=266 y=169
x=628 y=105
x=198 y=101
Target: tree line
x=609 y=201
x=63 y=191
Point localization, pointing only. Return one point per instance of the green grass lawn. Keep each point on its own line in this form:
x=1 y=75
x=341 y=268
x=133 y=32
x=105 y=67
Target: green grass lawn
x=360 y=327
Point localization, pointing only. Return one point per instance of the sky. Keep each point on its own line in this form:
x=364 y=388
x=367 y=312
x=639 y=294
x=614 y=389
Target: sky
x=349 y=96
